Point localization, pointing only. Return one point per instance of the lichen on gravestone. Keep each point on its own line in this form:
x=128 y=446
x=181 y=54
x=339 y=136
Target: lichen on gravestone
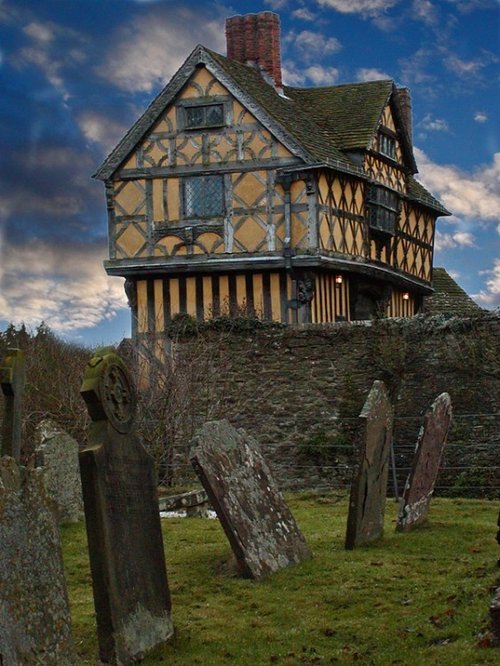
x=57 y=453
x=420 y=484
x=35 y=621
x=365 y=522
x=131 y=595
x=258 y=524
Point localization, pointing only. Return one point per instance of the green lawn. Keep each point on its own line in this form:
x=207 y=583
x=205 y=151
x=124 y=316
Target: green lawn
x=416 y=598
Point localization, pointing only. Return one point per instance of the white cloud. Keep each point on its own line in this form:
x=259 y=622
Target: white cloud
x=431 y=124
x=474 y=195
x=146 y=53
x=424 y=10
x=480 y=117
x=317 y=74
x=413 y=69
x=459 y=239
x=322 y=76
x=65 y=286
x=101 y=129
x=370 y=74
x=276 y=4
x=40 y=32
x=490 y=297
x=313 y=44
x=303 y=14
x=364 y=7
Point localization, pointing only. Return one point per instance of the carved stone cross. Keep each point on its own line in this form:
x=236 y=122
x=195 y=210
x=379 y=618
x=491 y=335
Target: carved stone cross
x=127 y=561
x=12 y=382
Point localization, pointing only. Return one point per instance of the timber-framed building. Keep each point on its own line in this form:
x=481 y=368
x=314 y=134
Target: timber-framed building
x=234 y=193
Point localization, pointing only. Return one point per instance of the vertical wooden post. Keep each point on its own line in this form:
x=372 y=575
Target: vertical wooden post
x=12 y=382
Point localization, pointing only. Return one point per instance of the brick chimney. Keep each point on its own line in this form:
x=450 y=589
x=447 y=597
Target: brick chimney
x=404 y=98
x=254 y=39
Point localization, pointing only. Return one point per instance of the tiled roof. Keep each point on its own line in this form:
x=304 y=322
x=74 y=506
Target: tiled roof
x=448 y=297
x=417 y=192
x=347 y=113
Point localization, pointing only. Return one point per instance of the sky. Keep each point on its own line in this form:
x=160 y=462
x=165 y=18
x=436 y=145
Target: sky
x=76 y=74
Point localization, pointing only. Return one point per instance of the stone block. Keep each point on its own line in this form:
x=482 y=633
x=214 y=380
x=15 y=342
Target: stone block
x=258 y=524
x=419 y=487
x=127 y=561
x=57 y=453
x=35 y=621
x=365 y=522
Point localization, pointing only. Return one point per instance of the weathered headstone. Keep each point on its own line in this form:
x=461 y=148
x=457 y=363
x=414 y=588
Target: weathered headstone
x=35 y=622
x=425 y=467
x=12 y=382
x=127 y=561
x=258 y=524
x=195 y=503
x=365 y=522
x=57 y=453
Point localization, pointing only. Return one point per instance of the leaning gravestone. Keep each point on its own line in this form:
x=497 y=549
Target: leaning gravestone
x=127 y=561
x=12 y=382
x=365 y=521
x=57 y=453
x=258 y=524
x=35 y=620
x=428 y=453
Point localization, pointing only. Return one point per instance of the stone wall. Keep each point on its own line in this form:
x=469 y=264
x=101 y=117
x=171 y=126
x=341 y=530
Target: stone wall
x=298 y=391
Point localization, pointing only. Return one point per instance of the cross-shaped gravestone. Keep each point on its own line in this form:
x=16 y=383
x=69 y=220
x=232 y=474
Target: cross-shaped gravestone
x=428 y=453
x=127 y=561
x=258 y=524
x=12 y=382
x=365 y=521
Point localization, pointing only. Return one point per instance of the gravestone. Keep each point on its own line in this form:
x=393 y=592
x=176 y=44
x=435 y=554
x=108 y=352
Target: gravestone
x=12 y=382
x=425 y=467
x=35 y=621
x=127 y=561
x=57 y=453
x=195 y=503
x=365 y=522
x=258 y=524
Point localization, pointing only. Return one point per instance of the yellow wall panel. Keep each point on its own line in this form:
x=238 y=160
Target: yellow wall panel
x=142 y=306
x=224 y=294
x=275 y=297
x=191 y=296
x=208 y=306
x=131 y=240
x=158 y=211
x=258 y=294
x=250 y=234
x=241 y=292
x=131 y=198
x=174 y=296
x=249 y=188
x=159 y=318
x=168 y=243
x=130 y=163
x=173 y=198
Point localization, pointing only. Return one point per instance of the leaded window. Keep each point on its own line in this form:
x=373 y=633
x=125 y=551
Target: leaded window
x=203 y=197
x=383 y=208
x=206 y=115
x=387 y=145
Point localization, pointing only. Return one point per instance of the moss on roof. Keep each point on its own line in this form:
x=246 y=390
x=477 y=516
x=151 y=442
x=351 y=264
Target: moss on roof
x=348 y=113
x=449 y=298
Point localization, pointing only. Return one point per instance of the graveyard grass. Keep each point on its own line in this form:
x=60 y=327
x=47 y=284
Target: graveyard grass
x=411 y=598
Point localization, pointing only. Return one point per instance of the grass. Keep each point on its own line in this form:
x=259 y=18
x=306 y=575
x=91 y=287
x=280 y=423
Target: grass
x=415 y=598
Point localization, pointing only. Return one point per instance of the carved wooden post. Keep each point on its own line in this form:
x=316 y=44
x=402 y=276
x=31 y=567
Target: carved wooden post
x=127 y=561
x=12 y=381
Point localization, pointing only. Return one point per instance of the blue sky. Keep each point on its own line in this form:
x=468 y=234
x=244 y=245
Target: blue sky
x=75 y=75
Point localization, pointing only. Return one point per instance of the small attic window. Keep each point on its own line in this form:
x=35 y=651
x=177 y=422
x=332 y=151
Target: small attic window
x=206 y=115
x=387 y=145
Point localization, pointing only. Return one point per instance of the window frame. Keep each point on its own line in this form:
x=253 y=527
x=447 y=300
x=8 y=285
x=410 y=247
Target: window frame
x=192 y=102
x=383 y=208
x=386 y=138
x=203 y=216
